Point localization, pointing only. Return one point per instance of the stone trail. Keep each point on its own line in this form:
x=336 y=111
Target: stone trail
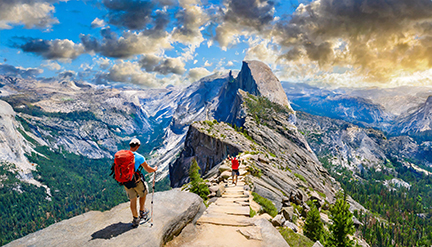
x=226 y=223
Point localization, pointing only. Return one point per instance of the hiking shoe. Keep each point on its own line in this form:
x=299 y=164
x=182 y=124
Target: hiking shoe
x=144 y=214
x=135 y=222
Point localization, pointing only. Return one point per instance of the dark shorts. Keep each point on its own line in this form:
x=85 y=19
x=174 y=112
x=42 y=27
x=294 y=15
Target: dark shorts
x=235 y=172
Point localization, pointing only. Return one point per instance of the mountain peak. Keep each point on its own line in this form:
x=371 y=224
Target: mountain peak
x=257 y=78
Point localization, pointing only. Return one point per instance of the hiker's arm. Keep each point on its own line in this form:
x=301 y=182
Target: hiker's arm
x=148 y=168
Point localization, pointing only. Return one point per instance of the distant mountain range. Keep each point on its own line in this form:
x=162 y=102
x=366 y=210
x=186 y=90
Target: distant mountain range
x=397 y=111
x=95 y=120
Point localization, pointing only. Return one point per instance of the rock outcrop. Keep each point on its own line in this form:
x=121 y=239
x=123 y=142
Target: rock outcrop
x=257 y=79
x=173 y=210
x=418 y=123
x=285 y=167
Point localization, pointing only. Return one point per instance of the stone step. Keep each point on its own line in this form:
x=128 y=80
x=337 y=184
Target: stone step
x=233 y=193
x=232 y=200
x=225 y=220
x=231 y=210
x=244 y=204
x=234 y=189
x=234 y=196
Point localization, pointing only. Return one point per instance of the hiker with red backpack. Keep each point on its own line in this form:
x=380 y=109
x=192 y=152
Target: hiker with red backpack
x=128 y=170
x=234 y=167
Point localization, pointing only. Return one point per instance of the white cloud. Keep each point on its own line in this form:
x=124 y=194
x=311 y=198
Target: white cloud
x=31 y=14
x=51 y=65
x=198 y=73
x=96 y=23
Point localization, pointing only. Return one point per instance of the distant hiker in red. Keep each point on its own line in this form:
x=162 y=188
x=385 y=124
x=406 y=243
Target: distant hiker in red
x=141 y=188
x=234 y=166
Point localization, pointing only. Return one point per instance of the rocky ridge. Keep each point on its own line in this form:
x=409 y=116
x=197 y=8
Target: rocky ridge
x=418 y=123
x=173 y=210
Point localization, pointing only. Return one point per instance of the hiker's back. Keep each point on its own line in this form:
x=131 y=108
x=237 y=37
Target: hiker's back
x=124 y=166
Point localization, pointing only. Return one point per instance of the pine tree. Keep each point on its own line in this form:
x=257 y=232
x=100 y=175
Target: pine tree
x=197 y=183
x=313 y=226
x=342 y=226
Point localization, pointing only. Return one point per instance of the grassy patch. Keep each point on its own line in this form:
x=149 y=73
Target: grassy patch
x=266 y=204
x=254 y=171
x=294 y=239
x=321 y=194
x=300 y=177
x=252 y=212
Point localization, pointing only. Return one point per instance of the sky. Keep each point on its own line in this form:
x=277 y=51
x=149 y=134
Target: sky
x=156 y=43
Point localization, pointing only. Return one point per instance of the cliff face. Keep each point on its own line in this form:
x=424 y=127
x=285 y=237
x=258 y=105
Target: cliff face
x=207 y=150
x=418 y=123
x=288 y=169
x=257 y=78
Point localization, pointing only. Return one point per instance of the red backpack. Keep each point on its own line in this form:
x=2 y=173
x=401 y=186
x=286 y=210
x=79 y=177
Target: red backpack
x=123 y=168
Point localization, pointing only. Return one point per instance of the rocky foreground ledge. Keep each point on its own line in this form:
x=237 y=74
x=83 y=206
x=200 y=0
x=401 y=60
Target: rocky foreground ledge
x=173 y=210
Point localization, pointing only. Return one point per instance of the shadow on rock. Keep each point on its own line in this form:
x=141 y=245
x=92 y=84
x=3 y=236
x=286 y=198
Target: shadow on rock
x=112 y=231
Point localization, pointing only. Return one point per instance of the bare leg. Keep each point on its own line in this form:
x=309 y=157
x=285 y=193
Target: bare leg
x=133 y=207
x=142 y=202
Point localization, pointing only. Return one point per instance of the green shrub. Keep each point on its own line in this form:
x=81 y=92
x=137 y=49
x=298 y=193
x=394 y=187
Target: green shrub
x=294 y=239
x=313 y=228
x=266 y=204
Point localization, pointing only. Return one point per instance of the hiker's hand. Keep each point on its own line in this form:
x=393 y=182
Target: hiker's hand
x=155 y=168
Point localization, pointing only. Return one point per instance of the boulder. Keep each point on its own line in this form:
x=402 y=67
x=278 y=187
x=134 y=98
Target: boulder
x=324 y=218
x=286 y=202
x=278 y=220
x=317 y=244
x=296 y=197
x=213 y=189
x=251 y=232
x=271 y=236
x=173 y=210
x=221 y=190
x=291 y=226
x=288 y=213
x=255 y=206
x=225 y=175
x=356 y=222
x=223 y=168
x=316 y=198
x=265 y=216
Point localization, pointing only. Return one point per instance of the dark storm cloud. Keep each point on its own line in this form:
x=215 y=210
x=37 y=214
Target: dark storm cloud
x=52 y=49
x=378 y=35
x=133 y=14
x=243 y=15
x=163 y=66
x=253 y=13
